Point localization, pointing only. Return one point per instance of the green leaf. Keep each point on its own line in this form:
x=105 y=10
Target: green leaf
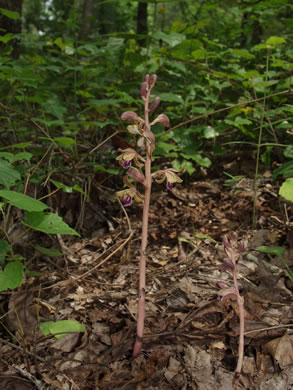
x=101 y=168
x=205 y=237
x=11 y=277
x=6 y=38
x=22 y=201
x=56 y=328
x=63 y=187
x=275 y=41
x=187 y=165
x=284 y=170
x=5 y=247
x=10 y=14
x=209 y=132
x=164 y=148
x=8 y=174
x=242 y=53
x=22 y=156
x=288 y=151
x=48 y=223
x=199 y=54
x=172 y=38
x=48 y=251
x=104 y=102
x=171 y=98
x=286 y=190
x=272 y=250
x=65 y=141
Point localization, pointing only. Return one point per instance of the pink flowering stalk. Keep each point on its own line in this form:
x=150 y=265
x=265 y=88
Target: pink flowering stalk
x=141 y=174
x=233 y=250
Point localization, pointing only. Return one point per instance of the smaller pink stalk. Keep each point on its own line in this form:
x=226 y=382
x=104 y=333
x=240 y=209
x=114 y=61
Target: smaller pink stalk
x=233 y=250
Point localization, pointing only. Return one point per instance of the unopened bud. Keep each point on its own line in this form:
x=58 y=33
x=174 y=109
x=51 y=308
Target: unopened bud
x=143 y=89
x=130 y=116
x=163 y=119
x=136 y=174
x=146 y=78
x=153 y=80
x=154 y=104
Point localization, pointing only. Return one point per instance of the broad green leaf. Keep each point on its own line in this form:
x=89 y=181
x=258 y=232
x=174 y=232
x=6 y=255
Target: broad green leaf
x=275 y=41
x=243 y=53
x=172 y=39
x=10 y=14
x=209 y=132
x=54 y=107
x=65 y=141
x=6 y=38
x=187 y=165
x=8 y=156
x=171 y=98
x=48 y=223
x=56 y=328
x=8 y=174
x=203 y=161
x=199 y=54
x=22 y=156
x=286 y=190
x=48 y=251
x=272 y=250
x=164 y=148
x=22 y=201
x=4 y=249
x=12 y=276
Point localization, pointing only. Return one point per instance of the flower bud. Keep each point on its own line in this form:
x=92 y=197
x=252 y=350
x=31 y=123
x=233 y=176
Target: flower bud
x=154 y=104
x=153 y=80
x=163 y=119
x=130 y=116
x=136 y=174
x=143 y=90
x=146 y=78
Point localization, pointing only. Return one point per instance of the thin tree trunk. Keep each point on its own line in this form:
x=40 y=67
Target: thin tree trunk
x=142 y=26
x=86 y=24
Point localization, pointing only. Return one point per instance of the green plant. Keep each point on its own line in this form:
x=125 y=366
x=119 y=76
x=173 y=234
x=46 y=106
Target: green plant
x=146 y=145
x=34 y=216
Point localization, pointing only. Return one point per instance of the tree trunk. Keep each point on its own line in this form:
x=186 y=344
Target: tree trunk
x=87 y=14
x=10 y=25
x=142 y=26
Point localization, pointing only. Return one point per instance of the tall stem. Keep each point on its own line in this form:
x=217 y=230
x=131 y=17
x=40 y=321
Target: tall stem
x=144 y=240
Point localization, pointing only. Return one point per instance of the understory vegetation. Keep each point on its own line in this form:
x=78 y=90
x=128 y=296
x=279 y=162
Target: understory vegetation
x=223 y=75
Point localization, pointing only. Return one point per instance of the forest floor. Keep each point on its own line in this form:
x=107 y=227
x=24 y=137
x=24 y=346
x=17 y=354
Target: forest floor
x=191 y=337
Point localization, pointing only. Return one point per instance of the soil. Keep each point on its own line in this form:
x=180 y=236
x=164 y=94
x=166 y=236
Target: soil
x=191 y=336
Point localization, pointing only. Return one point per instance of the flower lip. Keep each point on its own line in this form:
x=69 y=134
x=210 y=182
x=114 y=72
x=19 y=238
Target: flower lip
x=127 y=201
x=126 y=164
x=169 y=186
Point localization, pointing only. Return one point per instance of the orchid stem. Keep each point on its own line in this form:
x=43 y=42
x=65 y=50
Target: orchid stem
x=144 y=239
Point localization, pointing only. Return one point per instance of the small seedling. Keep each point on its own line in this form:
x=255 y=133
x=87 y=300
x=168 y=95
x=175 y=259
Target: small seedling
x=233 y=249
x=141 y=174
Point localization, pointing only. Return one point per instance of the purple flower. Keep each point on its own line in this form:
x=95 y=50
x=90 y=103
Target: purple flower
x=126 y=164
x=169 y=186
x=127 y=201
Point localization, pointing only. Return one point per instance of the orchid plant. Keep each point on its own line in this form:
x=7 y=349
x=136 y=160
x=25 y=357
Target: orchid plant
x=138 y=165
x=233 y=249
